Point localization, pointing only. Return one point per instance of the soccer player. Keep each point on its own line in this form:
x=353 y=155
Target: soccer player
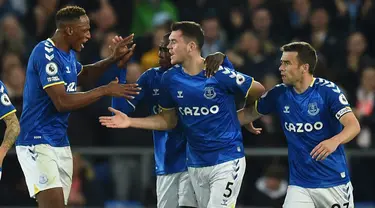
x=8 y=114
x=207 y=112
x=173 y=185
x=317 y=120
x=50 y=93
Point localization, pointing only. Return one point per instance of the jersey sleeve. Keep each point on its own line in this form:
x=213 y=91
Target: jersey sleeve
x=234 y=82
x=165 y=98
x=338 y=104
x=6 y=106
x=49 y=70
x=79 y=68
x=128 y=106
x=267 y=102
x=227 y=63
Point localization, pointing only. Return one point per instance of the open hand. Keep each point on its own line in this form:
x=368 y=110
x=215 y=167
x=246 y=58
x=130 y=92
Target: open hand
x=213 y=62
x=324 y=148
x=122 y=90
x=119 y=120
x=126 y=51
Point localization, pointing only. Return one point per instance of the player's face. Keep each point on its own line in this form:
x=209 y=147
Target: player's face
x=164 y=55
x=81 y=33
x=178 y=48
x=290 y=69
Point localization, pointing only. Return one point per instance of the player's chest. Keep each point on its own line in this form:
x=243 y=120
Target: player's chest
x=308 y=109
x=69 y=75
x=195 y=92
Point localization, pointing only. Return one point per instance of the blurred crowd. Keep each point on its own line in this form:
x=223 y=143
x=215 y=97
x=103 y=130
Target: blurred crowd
x=249 y=32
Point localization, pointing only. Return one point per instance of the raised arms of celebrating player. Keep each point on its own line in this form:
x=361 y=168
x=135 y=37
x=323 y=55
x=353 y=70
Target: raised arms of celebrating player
x=11 y=132
x=351 y=129
x=120 y=51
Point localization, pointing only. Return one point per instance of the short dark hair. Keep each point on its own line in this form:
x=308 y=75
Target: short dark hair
x=306 y=53
x=69 y=13
x=191 y=30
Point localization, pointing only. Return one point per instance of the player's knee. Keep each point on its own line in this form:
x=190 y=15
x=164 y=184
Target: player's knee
x=51 y=198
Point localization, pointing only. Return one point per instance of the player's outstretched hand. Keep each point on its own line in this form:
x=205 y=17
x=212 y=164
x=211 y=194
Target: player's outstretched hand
x=123 y=47
x=213 y=62
x=324 y=148
x=122 y=90
x=250 y=127
x=119 y=120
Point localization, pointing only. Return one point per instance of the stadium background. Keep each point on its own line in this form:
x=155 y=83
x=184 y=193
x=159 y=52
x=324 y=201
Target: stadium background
x=116 y=166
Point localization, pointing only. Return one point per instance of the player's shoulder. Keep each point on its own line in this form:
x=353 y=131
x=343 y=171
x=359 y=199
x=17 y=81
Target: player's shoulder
x=168 y=74
x=44 y=50
x=325 y=86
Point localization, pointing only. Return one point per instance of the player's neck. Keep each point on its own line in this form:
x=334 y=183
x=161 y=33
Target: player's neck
x=193 y=65
x=302 y=85
x=59 y=42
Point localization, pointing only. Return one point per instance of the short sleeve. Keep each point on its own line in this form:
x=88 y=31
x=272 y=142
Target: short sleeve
x=267 y=102
x=6 y=106
x=49 y=71
x=234 y=82
x=338 y=104
x=165 y=98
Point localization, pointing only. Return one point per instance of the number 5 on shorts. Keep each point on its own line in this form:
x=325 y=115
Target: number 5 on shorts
x=228 y=188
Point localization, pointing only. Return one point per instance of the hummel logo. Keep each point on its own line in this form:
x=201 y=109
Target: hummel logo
x=179 y=94
x=156 y=92
x=286 y=109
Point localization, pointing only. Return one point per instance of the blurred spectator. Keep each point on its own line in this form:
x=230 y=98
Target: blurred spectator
x=41 y=19
x=299 y=16
x=364 y=109
x=13 y=37
x=104 y=19
x=10 y=59
x=349 y=67
x=270 y=189
x=321 y=36
x=214 y=39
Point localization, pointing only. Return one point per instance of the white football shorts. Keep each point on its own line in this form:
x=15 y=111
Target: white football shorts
x=335 y=197
x=218 y=186
x=46 y=167
x=174 y=190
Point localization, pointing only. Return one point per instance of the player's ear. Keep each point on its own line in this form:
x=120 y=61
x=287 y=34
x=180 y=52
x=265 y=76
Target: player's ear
x=192 y=46
x=69 y=30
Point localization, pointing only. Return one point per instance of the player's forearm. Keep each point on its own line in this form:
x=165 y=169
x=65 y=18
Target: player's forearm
x=11 y=132
x=155 y=122
x=348 y=133
x=92 y=72
x=73 y=101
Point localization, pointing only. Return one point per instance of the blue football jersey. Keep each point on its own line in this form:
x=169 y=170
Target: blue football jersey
x=307 y=119
x=40 y=121
x=6 y=106
x=206 y=108
x=169 y=146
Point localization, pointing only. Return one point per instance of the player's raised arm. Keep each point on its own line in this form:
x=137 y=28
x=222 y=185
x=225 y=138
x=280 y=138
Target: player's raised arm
x=121 y=51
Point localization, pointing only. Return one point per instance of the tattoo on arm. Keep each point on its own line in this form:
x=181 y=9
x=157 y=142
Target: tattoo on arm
x=12 y=130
